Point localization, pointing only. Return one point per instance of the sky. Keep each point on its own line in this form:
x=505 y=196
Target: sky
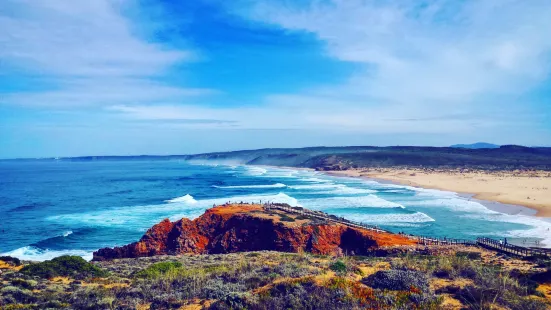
x=129 y=77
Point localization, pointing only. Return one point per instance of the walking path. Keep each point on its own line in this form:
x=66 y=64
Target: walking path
x=488 y=243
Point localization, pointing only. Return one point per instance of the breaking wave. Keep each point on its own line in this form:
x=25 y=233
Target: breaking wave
x=277 y=185
x=33 y=253
x=187 y=199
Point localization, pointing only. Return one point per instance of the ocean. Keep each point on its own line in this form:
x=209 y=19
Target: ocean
x=52 y=208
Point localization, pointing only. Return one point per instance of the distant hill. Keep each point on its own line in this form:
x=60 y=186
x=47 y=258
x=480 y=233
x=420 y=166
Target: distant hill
x=505 y=157
x=478 y=145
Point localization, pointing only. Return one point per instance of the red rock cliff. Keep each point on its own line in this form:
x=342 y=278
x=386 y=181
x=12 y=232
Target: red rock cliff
x=240 y=228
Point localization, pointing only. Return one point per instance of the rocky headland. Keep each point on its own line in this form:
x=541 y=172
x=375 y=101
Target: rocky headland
x=248 y=227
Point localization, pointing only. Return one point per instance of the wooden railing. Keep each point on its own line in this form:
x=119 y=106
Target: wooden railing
x=488 y=243
x=322 y=216
x=443 y=241
x=516 y=250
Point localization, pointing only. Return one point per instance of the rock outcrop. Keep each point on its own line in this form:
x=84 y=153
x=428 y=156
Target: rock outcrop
x=240 y=228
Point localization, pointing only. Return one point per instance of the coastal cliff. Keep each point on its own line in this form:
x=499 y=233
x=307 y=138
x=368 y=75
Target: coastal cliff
x=244 y=227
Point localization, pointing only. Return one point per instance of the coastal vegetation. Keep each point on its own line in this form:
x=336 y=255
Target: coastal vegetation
x=452 y=279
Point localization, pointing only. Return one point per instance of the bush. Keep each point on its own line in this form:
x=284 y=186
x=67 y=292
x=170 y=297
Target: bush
x=338 y=267
x=158 y=269
x=398 y=280
x=19 y=295
x=303 y=217
x=68 y=266
x=28 y=284
x=286 y=218
x=468 y=255
x=294 y=270
x=218 y=289
x=11 y=260
x=92 y=298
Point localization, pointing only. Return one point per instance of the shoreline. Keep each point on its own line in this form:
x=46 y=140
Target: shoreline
x=501 y=206
x=492 y=201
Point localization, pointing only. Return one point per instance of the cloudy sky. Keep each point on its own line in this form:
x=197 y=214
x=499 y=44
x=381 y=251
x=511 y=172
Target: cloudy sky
x=122 y=77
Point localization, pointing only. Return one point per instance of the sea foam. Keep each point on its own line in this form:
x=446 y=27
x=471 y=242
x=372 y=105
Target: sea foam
x=368 y=201
x=33 y=253
x=186 y=199
x=277 y=185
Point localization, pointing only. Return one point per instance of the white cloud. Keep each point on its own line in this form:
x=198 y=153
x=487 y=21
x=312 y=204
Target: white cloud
x=422 y=59
x=90 y=51
x=431 y=66
x=429 y=50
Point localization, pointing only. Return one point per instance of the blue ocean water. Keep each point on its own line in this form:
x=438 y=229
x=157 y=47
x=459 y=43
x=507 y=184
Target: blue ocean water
x=51 y=208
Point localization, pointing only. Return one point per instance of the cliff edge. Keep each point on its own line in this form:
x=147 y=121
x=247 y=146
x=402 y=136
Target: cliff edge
x=247 y=227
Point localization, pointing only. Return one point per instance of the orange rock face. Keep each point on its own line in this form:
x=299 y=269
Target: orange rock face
x=241 y=228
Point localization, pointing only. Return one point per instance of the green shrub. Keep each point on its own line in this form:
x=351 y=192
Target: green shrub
x=12 y=260
x=158 y=269
x=20 y=295
x=303 y=217
x=468 y=255
x=28 y=284
x=338 y=267
x=398 y=280
x=68 y=266
x=286 y=218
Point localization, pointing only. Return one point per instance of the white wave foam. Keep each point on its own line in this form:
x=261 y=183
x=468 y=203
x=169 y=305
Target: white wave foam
x=391 y=218
x=456 y=204
x=316 y=180
x=316 y=186
x=36 y=254
x=432 y=192
x=280 y=173
x=368 y=201
x=255 y=171
x=277 y=185
x=67 y=233
x=185 y=199
x=540 y=229
x=332 y=188
x=138 y=217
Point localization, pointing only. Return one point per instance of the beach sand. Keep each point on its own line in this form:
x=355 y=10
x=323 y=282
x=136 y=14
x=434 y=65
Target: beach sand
x=531 y=189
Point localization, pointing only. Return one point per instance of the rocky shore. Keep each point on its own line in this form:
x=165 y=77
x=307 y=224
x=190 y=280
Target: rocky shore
x=248 y=227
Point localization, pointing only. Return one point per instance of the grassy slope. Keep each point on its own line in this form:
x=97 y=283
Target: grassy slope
x=273 y=280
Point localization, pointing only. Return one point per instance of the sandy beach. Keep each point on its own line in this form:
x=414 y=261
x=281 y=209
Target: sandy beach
x=531 y=189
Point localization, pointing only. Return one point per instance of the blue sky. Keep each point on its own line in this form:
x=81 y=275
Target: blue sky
x=122 y=77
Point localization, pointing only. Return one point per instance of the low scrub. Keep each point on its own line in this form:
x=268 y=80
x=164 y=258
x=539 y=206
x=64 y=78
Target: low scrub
x=14 y=261
x=286 y=218
x=158 y=270
x=65 y=266
x=268 y=280
x=398 y=280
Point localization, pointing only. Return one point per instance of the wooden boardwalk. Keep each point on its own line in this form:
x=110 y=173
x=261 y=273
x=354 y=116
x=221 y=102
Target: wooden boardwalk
x=322 y=216
x=492 y=244
x=516 y=250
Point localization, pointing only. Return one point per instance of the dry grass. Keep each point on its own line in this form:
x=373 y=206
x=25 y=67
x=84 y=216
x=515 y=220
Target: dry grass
x=6 y=266
x=271 y=280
